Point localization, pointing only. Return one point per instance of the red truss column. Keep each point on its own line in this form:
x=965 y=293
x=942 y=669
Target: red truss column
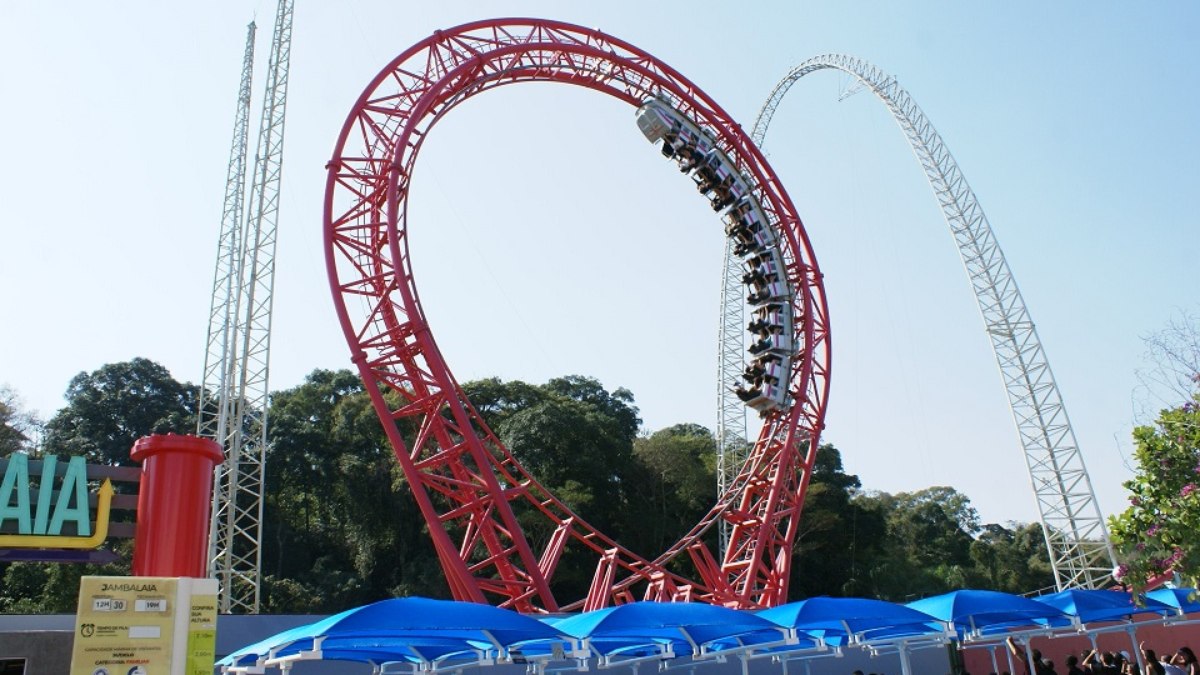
x=464 y=479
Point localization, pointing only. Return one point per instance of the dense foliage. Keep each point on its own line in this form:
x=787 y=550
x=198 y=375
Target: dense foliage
x=1159 y=534
x=17 y=428
x=110 y=408
x=1160 y=531
x=341 y=526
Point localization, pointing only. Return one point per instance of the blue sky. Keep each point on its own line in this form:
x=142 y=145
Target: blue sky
x=549 y=238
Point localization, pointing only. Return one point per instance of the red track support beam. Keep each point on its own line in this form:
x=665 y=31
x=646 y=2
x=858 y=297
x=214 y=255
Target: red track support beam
x=464 y=479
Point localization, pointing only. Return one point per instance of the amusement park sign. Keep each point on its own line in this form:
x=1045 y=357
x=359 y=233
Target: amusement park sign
x=40 y=516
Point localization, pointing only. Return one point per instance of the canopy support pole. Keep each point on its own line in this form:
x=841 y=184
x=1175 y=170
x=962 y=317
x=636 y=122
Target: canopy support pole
x=905 y=667
x=1137 y=651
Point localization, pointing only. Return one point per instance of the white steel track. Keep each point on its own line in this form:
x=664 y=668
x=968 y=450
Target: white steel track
x=1080 y=551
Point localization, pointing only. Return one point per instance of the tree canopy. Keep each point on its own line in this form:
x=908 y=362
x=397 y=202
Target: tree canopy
x=342 y=528
x=671 y=485
x=841 y=536
x=1159 y=534
x=110 y=408
x=17 y=426
x=1160 y=531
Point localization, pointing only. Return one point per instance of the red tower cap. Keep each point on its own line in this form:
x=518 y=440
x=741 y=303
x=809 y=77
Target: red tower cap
x=147 y=446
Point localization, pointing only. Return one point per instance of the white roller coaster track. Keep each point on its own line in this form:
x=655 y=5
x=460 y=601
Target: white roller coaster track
x=1080 y=551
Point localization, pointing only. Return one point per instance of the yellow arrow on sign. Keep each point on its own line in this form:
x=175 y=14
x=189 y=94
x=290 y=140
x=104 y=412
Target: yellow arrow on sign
x=38 y=541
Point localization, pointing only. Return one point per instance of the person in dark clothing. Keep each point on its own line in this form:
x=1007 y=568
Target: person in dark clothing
x=1153 y=667
x=1038 y=667
x=1186 y=659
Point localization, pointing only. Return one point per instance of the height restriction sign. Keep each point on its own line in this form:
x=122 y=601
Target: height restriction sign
x=145 y=626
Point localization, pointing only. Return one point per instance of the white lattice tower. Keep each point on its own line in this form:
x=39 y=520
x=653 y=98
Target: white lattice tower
x=1080 y=551
x=236 y=533
x=732 y=446
x=219 y=391
x=213 y=412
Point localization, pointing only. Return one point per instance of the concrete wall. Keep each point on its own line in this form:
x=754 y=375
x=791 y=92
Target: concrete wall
x=45 y=652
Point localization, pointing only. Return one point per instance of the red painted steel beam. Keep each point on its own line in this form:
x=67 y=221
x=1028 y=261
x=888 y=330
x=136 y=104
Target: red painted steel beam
x=464 y=479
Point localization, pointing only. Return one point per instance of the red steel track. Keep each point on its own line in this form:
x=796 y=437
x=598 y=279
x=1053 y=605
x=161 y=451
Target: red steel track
x=464 y=479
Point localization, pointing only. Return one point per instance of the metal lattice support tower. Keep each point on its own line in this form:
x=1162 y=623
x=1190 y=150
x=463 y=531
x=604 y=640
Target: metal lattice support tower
x=218 y=393
x=236 y=535
x=1080 y=551
x=214 y=410
x=732 y=447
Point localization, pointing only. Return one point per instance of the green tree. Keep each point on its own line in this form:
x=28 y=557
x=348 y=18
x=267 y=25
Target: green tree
x=43 y=588
x=341 y=525
x=17 y=427
x=1011 y=559
x=577 y=439
x=670 y=487
x=573 y=435
x=107 y=410
x=934 y=526
x=927 y=547
x=497 y=400
x=110 y=408
x=1160 y=531
x=838 y=536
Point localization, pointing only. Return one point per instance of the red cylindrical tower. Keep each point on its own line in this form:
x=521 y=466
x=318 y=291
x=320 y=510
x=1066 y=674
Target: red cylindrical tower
x=173 y=504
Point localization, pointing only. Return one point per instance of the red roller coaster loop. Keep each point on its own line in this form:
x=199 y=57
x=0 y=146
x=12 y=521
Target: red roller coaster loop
x=469 y=487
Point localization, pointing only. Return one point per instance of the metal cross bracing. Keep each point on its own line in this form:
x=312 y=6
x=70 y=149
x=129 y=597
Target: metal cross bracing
x=733 y=448
x=1080 y=551
x=219 y=409
x=236 y=528
x=213 y=414
x=468 y=486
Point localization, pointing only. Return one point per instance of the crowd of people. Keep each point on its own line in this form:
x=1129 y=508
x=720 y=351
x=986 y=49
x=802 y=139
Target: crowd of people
x=1094 y=662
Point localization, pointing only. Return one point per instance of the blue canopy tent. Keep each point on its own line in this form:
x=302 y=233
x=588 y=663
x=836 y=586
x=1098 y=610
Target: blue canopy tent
x=842 y=621
x=415 y=653
x=640 y=631
x=970 y=611
x=854 y=618
x=250 y=657
x=425 y=634
x=1078 y=608
x=993 y=636
x=752 y=646
x=975 y=614
x=1184 y=600
x=1090 y=605
x=298 y=645
x=1098 y=606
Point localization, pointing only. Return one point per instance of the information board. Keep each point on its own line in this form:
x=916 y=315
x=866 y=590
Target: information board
x=145 y=626
x=202 y=629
